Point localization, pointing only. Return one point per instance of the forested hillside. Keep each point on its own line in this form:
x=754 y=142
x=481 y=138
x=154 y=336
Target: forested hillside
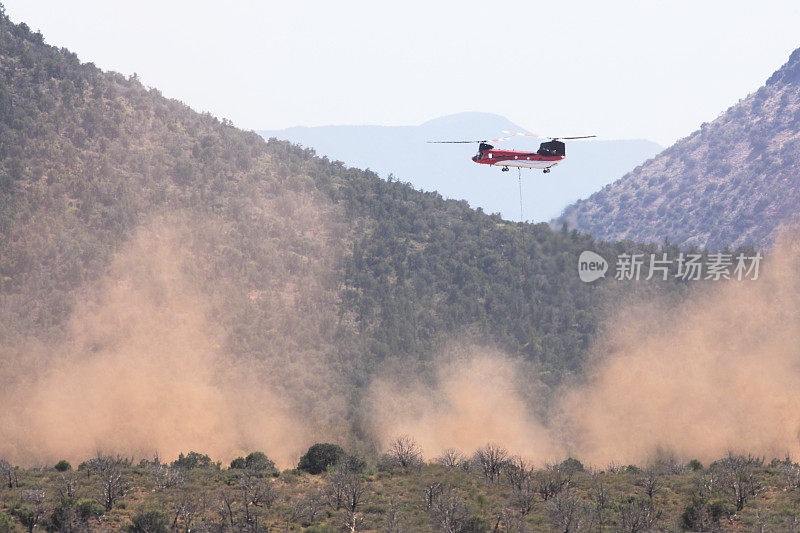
x=137 y=235
x=89 y=158
x=734 y=181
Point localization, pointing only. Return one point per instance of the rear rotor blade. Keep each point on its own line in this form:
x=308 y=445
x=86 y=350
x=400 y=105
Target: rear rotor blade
x=546 y=137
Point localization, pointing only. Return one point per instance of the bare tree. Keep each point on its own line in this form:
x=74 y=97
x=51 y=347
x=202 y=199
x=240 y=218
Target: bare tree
x=308 y=507
x=225 y=508
x=186 y=510
x=165 y=476
x=508 y=521
x=256 y=492
x=517 y=471
x=523 y=496
x=791 y=473
x=451 y=458
x=298 y=510
x=393 y=519
x=405 y=452
x=350 y=488
x=491 y=460
x=551 y=481
x=738 y=477
x=8 y=474
x=112 y=484
x=709 y=482
x=352 y=521
x=599 y=499
x=334 y=489
x=650 y=480
x=314 y=505
x=30 y=515
x=354 y=491
x=66 y=482
x=345 y=490
x=449 y=511
x=565 y=512
x=638 y=514
x=432 y=491
x=761 y=519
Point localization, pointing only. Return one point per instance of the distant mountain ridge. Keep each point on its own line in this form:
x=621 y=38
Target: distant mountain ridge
x=447 y=169
x=734 y=181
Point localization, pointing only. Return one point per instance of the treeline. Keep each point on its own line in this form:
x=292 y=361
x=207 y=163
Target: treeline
x=331 y=490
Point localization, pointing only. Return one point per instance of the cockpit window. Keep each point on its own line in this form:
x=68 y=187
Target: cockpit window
x=483 y=148
x=552 y=148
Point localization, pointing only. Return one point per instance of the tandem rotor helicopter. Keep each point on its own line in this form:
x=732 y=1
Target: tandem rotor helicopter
x=549 y=154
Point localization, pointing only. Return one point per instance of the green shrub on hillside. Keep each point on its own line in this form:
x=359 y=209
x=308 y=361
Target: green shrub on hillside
x=319 y=457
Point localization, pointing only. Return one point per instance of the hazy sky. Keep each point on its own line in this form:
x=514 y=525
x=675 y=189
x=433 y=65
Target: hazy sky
x=620 y=69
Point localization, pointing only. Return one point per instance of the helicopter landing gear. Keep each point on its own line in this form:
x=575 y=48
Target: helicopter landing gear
x=546 y=170
x=504 y=169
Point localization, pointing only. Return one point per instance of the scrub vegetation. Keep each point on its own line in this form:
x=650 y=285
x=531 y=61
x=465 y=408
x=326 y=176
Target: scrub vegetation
x=489 y=490
x=169 y=283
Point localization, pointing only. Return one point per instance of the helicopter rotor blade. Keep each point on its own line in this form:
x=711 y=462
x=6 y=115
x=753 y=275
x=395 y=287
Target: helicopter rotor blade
x=522 y=134
x=501 y=139
x=546 y=137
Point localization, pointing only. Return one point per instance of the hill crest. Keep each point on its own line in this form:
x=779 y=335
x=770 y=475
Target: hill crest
x=734 y=181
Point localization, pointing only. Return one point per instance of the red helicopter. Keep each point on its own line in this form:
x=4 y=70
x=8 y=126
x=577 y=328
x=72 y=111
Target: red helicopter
x=547 y=156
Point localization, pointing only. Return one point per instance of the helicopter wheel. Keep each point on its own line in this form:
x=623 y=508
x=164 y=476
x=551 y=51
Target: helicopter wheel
x=504 y=169
x=546 y=171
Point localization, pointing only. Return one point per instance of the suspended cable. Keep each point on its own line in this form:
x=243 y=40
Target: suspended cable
x=519 y=174
x=526 y=281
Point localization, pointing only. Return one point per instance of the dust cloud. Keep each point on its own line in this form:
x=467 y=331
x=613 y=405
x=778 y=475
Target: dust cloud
x=146 y=366
x=141 y=370
x=719 y=372
x=478 y=396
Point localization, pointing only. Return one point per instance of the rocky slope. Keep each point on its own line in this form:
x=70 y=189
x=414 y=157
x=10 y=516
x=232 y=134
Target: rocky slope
x=734 y=181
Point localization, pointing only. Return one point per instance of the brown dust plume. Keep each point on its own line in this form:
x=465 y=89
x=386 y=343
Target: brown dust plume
x=719 y=372
x=478 y=397
x=141 y=371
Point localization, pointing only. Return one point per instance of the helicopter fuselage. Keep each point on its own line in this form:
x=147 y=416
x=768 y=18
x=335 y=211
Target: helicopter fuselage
x=514 y=158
